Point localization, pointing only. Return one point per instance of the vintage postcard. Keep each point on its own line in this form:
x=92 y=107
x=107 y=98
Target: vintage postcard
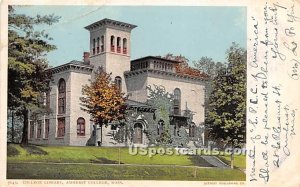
x=181 y=93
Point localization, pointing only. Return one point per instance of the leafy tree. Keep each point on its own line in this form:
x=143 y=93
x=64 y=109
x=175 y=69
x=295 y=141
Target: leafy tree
x=227 y=112
x=208 y=66
x=103 y=100
x=27 y=78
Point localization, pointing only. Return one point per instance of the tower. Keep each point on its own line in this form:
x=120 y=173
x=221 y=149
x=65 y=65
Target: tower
x=110 y=48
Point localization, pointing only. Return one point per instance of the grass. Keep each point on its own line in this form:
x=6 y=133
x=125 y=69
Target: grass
x=120 y=172
x=87 y=163
x=239 y=161
x=70 y=154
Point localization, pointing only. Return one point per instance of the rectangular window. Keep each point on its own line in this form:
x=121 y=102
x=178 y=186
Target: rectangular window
x=39 y=129
x=31 y=129
x=61 y=127
x=48 y=99
x=47 y=123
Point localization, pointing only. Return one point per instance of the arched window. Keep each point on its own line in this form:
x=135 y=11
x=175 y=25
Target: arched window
x=112 y=43
x=138 y=133
x=102 y=43
x=61 y=96
x=118 y=82
x=160 y=127
x=98 y=44
x=80 y=126
x=94 y=45
x=192 y=130
x=31 y=135
x=124 y=46
x=177 y=101
x=61 y=127
x=118 y=44
x=39 y=129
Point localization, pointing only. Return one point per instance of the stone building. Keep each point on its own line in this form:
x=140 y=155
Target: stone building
x=67 y=124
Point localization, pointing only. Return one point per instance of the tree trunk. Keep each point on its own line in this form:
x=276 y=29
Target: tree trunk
x=231 y=157
x=25 y=127
x=12 y=127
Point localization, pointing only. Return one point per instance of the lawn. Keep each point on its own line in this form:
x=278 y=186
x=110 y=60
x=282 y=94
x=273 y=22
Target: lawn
x=120 y=172
x=87 y=163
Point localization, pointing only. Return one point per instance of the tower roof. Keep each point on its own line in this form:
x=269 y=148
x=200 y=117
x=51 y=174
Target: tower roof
x=110 y=23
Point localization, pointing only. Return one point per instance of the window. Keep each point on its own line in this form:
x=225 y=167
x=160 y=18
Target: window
x=62 y=96
x=94 y=45
x=160 y=127
x=47 y=123
x=177 y=101
x=102 y=43
x=39 y=129
x=48 y=99
x=124 y=46
x=138 y=134
x=80 y=126
x=118 y=82
x=113 y=127
x=118 y=45
x=112 y=43
x=98 y=43
x=61 y=127
x=31 y=129
x=192 y=130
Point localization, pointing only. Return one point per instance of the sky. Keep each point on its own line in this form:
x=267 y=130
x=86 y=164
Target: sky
x=193 y=32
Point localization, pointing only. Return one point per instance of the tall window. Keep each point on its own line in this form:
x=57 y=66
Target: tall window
x=94 y=45
x=98 y=44
x=138 y=134
x=39 y=129
x=48 y=99
x=160 y=127
x=61 y=96
x=80 y=127
x=31 y=129
x=61 y=127
x=118 y=44
x=124 y=45
x=112 y=43
x=177 y=101
x=47 y=123
x=102 y=43
x=118 y=82
x=192 y=130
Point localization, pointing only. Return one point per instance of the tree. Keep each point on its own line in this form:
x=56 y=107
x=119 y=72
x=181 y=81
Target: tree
x=183 y=67
x=227 y=102
x=27 y=64
x=103 y=99
x=208 y=66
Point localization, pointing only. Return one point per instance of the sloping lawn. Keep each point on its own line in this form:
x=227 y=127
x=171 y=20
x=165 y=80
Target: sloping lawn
x=120 y=172
x=68 y=154
x=66 y=162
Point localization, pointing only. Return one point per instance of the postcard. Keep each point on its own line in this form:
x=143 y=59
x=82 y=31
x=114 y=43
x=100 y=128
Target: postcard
x=166 y=93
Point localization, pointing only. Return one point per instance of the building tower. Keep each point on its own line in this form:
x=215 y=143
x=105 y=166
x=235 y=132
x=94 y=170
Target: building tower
x=110 y=48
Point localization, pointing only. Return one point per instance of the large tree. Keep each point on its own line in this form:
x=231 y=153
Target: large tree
x=27 y=78
x=103 y=99
x=226 y=118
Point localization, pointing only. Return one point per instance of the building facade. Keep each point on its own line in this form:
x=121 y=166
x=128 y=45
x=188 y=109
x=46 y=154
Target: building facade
x=68 y=124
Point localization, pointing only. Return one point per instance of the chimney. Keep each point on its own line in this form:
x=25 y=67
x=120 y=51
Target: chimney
x=86 y=57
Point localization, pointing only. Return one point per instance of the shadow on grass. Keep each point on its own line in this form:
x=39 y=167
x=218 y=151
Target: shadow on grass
x=101 y=160
x=199 y=161
x=12 y=151
x=34 y=150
